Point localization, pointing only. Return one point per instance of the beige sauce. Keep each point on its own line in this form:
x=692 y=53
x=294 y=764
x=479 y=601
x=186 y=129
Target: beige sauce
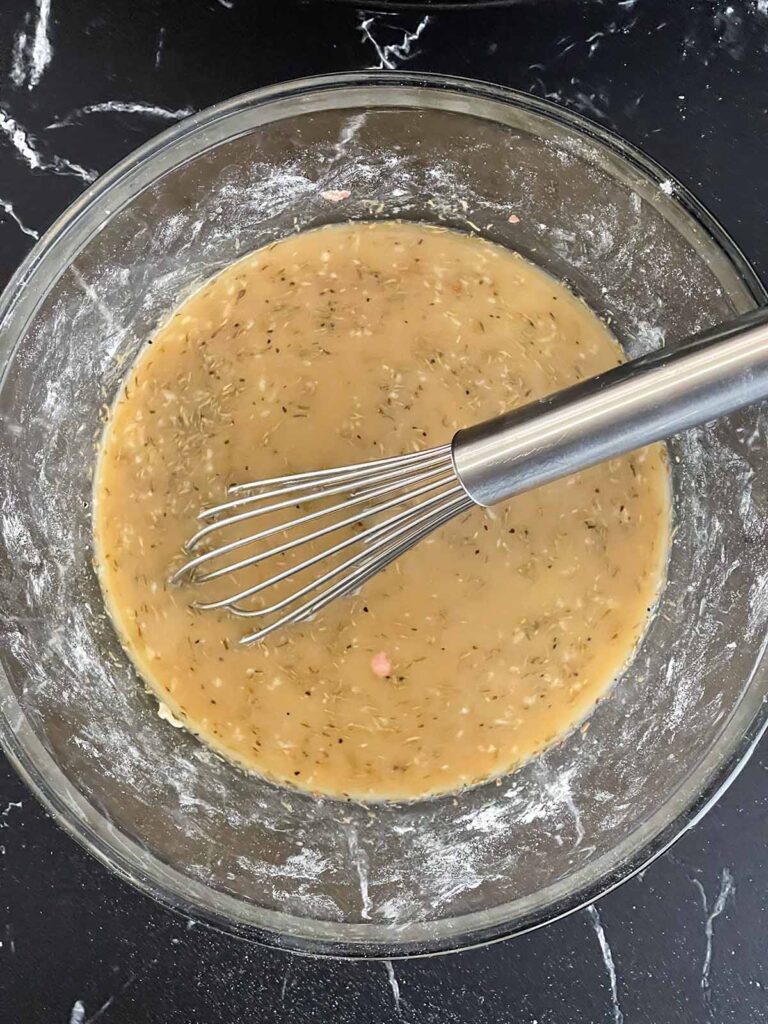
x=476 y=649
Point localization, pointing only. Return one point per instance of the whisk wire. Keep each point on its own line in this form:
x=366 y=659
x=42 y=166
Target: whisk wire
x=356 y=469
x=356 y=499
x=369 y=569
x=333 y=480
x=377 y=535
x=387 y=506
x=299 y=541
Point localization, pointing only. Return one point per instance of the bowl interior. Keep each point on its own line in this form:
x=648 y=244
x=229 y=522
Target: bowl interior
x=172 y=816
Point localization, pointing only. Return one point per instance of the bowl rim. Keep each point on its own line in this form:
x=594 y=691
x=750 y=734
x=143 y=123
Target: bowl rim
x=123 y=856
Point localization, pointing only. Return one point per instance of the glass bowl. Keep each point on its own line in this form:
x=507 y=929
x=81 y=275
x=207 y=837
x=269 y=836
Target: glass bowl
x=173 y=818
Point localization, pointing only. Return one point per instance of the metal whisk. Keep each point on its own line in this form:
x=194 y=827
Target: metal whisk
x=354 y=520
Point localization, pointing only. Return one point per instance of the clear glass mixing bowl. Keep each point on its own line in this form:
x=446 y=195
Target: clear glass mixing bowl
x=170 y=816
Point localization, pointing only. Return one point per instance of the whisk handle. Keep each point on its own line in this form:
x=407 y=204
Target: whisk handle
x=660 y=394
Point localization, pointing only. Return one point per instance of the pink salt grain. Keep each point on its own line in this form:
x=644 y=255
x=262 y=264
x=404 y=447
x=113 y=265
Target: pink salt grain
x=381 y=665
x=513 y=219
x=336 y=195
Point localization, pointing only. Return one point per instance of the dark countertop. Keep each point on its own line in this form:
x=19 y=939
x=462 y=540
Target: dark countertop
x=688 y=82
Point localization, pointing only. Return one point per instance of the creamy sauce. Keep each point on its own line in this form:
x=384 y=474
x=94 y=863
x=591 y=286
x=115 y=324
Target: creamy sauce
x=476 y=649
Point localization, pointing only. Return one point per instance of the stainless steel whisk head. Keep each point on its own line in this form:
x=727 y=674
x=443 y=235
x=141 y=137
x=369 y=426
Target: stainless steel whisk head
x=355 y=519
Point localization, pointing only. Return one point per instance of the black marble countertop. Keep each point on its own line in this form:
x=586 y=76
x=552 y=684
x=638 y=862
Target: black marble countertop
x=83 y=82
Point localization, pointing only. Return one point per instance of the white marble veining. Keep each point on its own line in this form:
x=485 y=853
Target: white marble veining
x=77 y=1016
x=122 y=107
x=394 y=984
x=160 y=46
x=391 y=55
x=18 y=71
x=284 y=985
x=101 y=1011
x=605 y=949
x=11 y=805
x=22 y=142
x=9 y=211
x=727 y=891
x=32 y=54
